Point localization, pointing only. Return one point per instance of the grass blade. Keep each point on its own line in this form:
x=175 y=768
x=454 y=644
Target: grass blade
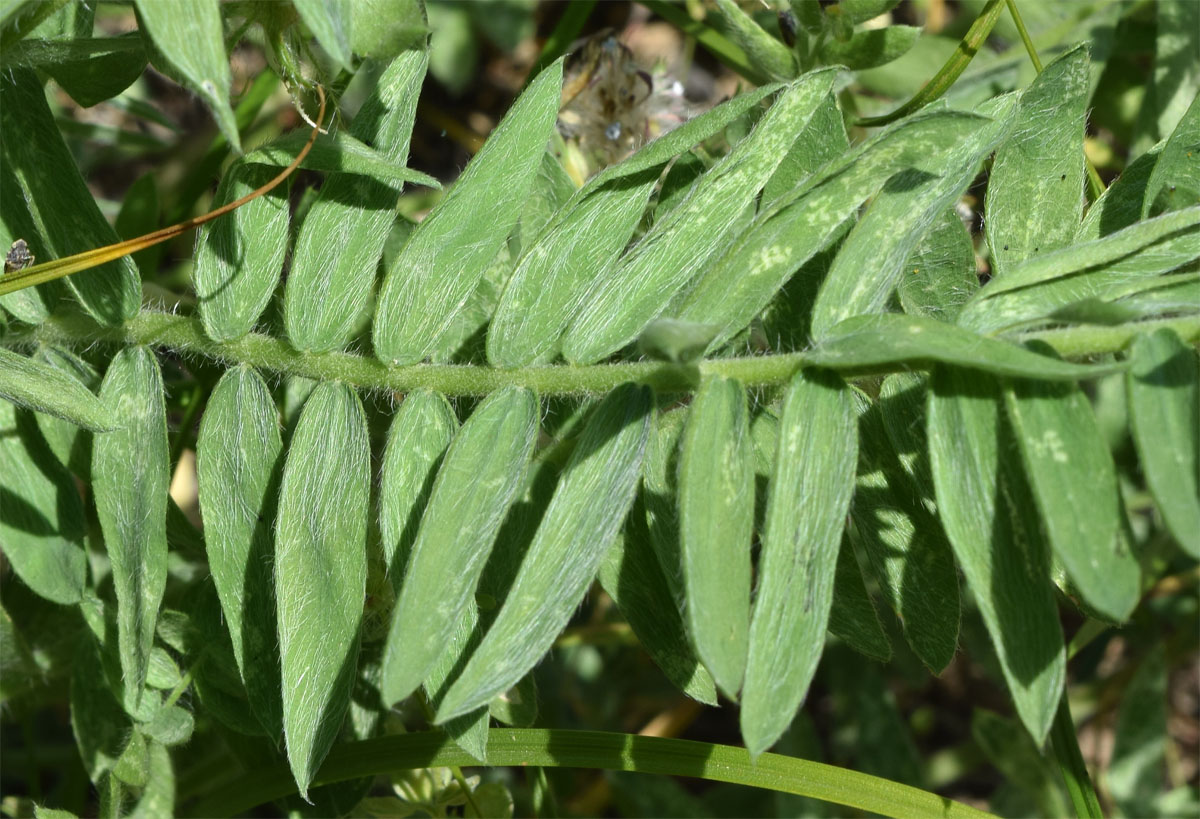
x=1163 y=388
x=239 y=258
x=342 y=238
x=1060 y=440
x=238 y=462
x=42 y=523
x=592 y=498
x=716 y=522
x=421 y=430
x=639 y=288
x=985 y=507
x=807 y=500
x=67 y=218
x=187 y=34
x=1035 y=192
x=475 y=485
x=871 y=341
x=321 y=571
x=442 y=262
x=130 y=479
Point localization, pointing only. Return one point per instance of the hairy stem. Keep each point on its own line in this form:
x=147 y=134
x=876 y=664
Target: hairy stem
x=183 y=334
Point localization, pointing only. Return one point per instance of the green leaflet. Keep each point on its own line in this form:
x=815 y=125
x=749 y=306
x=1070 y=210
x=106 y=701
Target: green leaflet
x=765 y=53
x=638 y=288
x=331 y=21
x=589 y=504
x=1174 y=184
x=337 y=153
x=469 y=731
x=238 y=464
x=823 y=140
x=552 y=188
x=41 y=515
x=342 y=237
x=30 y=304
x=101 y=727
x=716 y=523
x=852 y=616
x=660 y=490
x=811 y=484
x=737 y=286
x=871 y=262
x=1163 y=387
x=158 y=796
x=1060 y=441
x=988 y=514
x=939 y=276
x=1008 y=747
x=634 y=579
x=421 y=430
x=902 y=539
x=475 y=485
x=871 y=47
x=130 y=479
x=187 y=34
x=239 y=257
x=1035 y=191
x=549 y=283
x=66 y=217
x=40 y=386
x=384 y=28
x=440 y=265
x=1121 y=203
x=91 y=70
x=863 y=342
x=1140 y=742
x=1176 y=80
x=1096 y=269
x=321 y=571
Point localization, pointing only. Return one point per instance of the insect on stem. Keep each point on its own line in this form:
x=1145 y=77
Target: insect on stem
x=22 y=277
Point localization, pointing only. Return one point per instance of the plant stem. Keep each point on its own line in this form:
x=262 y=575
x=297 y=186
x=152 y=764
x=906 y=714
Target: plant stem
x=1071 y=765
x=184 y=334
x=597 y=750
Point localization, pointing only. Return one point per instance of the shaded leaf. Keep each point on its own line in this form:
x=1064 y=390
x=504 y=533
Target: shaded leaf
x=40 y=386
x=939 y=276
x=852 y=616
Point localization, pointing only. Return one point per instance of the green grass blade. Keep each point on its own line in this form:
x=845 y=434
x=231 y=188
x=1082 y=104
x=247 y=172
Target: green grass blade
x=852 y=617
x=321 y=571
x=609 y=751
x=342 y=238
x=1163 y=388
x=589 y=504
x=634 y=579
x=66 y=216
x=807 y=499
x=188 y=35
x=940 y=82
x=863 y=342
x=986 y=510
x=716 y=522
x=734 y=289
x=41 y=516
x=238 y=464
x=436 y=271
x=1035 y=191
x=475 y=485
x=1065 y=744
x=331 y=22
x=1060 y=441
x=40 y=386
x=239 y=257
x=637 y=290
x=421 y=431
x=130 y=478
